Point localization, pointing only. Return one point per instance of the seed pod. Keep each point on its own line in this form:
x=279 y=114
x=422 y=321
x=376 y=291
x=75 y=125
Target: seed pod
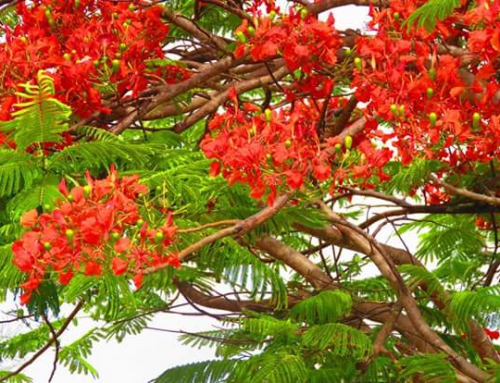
x=433 y=119
x=348 y=142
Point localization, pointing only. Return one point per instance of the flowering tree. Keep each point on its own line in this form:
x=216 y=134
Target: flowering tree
x=157 y=152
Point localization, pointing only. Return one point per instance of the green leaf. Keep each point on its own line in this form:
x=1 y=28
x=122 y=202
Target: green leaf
x=427 y=15
x=211 y=371
x=40 y=118
x=326 y=307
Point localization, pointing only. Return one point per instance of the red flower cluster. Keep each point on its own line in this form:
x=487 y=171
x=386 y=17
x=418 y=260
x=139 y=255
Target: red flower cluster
x=279 y=148
x=304 y=42
x=439 y=90
x=91 y=47
x=96 y=229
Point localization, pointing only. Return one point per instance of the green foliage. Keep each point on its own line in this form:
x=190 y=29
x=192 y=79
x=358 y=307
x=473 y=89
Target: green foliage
x=326 y=307
x=18 y=378
x=40 y=118
x=467 y=305
x=432 y=11
x=279 y=367
x=74 y=355
x=212 y=371
x=433 y=368
x=404 y=178
x=340 y=339
x=18 y=171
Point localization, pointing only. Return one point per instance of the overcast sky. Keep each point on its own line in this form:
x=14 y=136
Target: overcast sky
x=140 y=358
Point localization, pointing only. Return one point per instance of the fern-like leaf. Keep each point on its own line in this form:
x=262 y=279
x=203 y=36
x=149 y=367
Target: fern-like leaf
x=432 y=368
x=40 y=117
x=340 y=339
x=427 y=15
x=326 y=307
x=211 y=371
x=477 y=304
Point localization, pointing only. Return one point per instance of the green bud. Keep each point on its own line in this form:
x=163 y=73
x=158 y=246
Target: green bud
x=46 y=207
x=251 y=31
x=251 y=131
x=348 y=142
x=70 y=234
x=158 y=237
x=140 y=222
x=272 y=15
x=67 y=56
x=77 y=4
x=123 y=47
x=269 y=156
x=303 y=13
x=115 y=65
x=46 y=246
x=241 y=37
x=87 y=189
x=402 y=110
x=476 y=119
x=430 y=93
x=288 y=144
x=394 y=109
x=338 y=147
x=132 y=7
x=433 y=119
x=115 y=235
x=358 y=63
x=269 y=114
x=96 y=63
x=348 y=52
x=118 y=55
x=71 y=198
x=432 y=73
x=396 y=16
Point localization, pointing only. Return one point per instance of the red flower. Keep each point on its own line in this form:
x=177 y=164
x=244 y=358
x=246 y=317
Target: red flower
x=29 y=218
x=119 y=266
x=93 y=268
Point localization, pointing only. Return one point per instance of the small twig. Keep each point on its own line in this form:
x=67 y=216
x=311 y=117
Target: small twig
x=30 y=361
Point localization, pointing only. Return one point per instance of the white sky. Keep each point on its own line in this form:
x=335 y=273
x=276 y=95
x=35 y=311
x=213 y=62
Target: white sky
x=141 y=358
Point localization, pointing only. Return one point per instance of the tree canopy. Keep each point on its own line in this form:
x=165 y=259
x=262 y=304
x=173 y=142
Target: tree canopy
x=247 y=158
